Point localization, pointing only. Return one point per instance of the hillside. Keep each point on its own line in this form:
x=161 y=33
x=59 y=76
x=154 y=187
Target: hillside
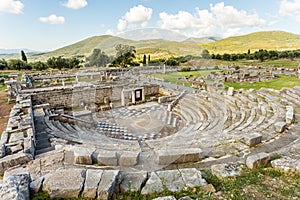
x=155 y=47
x=270 y=40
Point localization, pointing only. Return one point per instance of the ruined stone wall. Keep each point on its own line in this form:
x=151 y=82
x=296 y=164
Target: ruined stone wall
x=79 y=96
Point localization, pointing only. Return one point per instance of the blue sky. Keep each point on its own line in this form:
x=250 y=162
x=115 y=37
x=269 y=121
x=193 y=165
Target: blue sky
x=50 y=24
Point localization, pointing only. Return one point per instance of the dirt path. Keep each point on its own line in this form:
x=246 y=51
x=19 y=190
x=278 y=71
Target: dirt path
x=4 y=110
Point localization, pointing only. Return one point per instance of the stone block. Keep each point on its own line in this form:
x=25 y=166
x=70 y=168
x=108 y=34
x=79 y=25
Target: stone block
x=36 y=185
x=107 y=184
x=65 y=183
x=15 y=187
x=252 y=139
x=108 y=158
x=286 y=164
x=14 y=160
x=153 y=184
x=257 y=160
x=289 y=116
x=280 y=126
x=165 y=198
x=129 y=158
x=93 y=177
x=192 y=177
x=133 y=181
x=172 y=179
x=83 y=156
x=230 y=91
x=226 y=170
x=166 y=157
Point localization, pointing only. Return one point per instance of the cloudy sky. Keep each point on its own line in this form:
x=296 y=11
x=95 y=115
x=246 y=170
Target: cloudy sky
x=50 y=24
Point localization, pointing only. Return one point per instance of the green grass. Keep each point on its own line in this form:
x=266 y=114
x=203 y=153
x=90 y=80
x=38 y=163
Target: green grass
x=173 y=77
x=277 y=84
x=270 y=40
x=268 y=63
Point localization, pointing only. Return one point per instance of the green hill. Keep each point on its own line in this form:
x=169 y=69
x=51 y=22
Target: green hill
x=157 y=48
x=269 y=40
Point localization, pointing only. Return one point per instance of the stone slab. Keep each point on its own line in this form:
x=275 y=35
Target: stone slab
x=192 y=177
x=252 y=139
x=153 y=184
x=257 y=160
x=83 y=156
x=107 y=184
x=108 y=158
x=280 y=126
x=93 y=177
x=133 y=181
x=226 y=170
x=168 y=156
x=64 y=183
x=172 y=179
x=129 y=158
x=286 y=164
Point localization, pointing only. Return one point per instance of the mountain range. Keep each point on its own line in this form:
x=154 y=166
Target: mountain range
x=159 y=44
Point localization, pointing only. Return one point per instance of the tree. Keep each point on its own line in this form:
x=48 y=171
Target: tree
x=3 y=64
x=205 y=54
x=149 y=59
x=16 y=64
x=144 y=60
x=39 y=65
x=125 y=55
x=23 y=56
x=98 y=58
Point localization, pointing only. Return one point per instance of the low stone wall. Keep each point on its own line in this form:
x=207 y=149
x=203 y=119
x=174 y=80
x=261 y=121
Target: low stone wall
x=86 y=95
x=18 y=141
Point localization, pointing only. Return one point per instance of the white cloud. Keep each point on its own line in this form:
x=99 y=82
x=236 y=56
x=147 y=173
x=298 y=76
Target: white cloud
x=219 y=18
x=289 y=7
x=53 y=19
x=75 y=4
x=138 y=15
x=122 y=24
x=11 y=6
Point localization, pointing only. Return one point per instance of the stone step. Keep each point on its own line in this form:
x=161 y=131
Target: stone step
x=45 y=150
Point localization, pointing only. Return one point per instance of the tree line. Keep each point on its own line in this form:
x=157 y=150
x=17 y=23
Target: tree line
x=260 y=55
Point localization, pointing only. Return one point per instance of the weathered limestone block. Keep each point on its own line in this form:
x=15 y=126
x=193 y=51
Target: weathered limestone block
x=230 y=91
x=108 y=158
x=295 y=149
x=36 y=185
x=93 y=177
x=64 y=183
x=165 y=198
x=280 y=126
x=15 y=149
x=257 y=160
x=252 y=139
x=16 y=137
x=15 y=187
x=192 y=177
x=14 y=160
x=83 y=156
x=172 y=179
x=286 y=164
x=129 y=158
x=226 y=170
x=169 y=156
x=132 y=181
x=289 y=116
x=28 y=146
x=107 y=184
x=154 y=184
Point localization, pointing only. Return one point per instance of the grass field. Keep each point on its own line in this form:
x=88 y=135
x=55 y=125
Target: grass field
x=173 y=77
x=277 y=84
